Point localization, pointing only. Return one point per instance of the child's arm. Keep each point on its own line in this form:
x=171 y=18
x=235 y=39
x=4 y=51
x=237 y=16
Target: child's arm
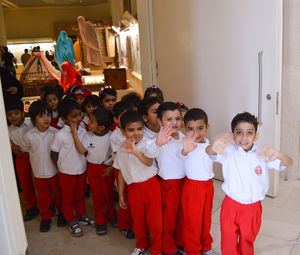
x=130 y=148
x=219 y=144
x=16 y=149
x=54 y=157
x=122 y=201
x=273 y=154
x=78 y=144
x=188 y=143
x=108 y=171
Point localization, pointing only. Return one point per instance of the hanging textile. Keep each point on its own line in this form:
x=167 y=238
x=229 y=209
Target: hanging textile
x=69 y=76
x=64 y=49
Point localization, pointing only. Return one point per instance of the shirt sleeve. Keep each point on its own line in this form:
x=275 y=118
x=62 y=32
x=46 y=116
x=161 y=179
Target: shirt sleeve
x=116 y=161
x=25 y=142
x=115 y=143
x=57 y=143
x=151 y=150
x=85 y=141
x=275 y=164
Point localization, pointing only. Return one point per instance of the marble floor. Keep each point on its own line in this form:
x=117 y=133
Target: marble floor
x=279 y=233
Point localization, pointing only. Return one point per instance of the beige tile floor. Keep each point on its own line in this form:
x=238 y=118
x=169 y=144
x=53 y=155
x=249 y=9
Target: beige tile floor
x=279 y=233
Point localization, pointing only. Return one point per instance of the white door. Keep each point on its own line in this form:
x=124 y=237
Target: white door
x=207 y=56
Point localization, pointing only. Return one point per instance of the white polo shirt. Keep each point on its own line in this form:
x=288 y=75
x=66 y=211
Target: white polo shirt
x=69 y=160
x=16 y=133
x=197 y=164
x=116 y=139
x=133 y=170
x=149 y=134
x=169 y=165
x=38 y=145
x=246 y=175
x=98 y=147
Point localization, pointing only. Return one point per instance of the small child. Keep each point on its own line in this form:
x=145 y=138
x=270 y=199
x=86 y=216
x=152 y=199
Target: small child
x=246 y=182
x=37 y=141
x=90 y=104
x=154 y=91
x=80 y=94
x=148 y=108
x=172 y=176
x=133 y=99
x=108 y=98
x=144 y=192
x=19 y=126
x=183 y=110
x=198 y=189
x=96 y=143
x=52 y=99
x=72 y=168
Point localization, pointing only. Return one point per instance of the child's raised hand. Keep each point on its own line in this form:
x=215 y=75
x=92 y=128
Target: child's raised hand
x=221 y=142
x=73 y=127
x=129 y=146
x=188 y=143
x=164 y=136
x=269 y=153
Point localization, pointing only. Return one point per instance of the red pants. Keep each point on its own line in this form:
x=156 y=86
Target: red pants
x=102 y=191
x=172 y=215
x=45 y=187
x=145 y=206
x=72 y=189
x=24 y=172
x=124 y=219
x=197 y=203
x=240 y=225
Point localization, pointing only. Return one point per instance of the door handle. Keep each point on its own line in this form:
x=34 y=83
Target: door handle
x=259 y=110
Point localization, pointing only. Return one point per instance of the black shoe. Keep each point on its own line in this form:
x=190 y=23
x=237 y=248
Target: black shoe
x=128 y=233
x=113 y=222
x=61 y=221
x=45 y=225
x=31 y=213
x=101 y=229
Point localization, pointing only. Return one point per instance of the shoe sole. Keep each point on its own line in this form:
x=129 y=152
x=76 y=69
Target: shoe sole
x=101 y=233
x=74 y=235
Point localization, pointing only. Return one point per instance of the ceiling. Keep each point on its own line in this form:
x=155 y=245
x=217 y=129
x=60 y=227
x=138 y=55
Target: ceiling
x=48 y=3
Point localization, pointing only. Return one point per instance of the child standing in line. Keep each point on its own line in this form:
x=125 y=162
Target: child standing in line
x=133 y=99
x=52 y=99
x=183 y=110
x=144 y=193
x=148 y=108
x=198 y=189
x=37 y=141
x=246 y=182
x=80 y=95
x=90 y=104
x=154 y=91
x=72 y=168
x=172 y=176
x=96 y=143
x=19 y=126
x=116 y=140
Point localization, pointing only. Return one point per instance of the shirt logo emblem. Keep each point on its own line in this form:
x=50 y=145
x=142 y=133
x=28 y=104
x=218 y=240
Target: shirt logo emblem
x=258 y=170
x=91 y=145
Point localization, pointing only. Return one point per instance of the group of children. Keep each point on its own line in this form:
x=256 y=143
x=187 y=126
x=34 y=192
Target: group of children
x=157 y=155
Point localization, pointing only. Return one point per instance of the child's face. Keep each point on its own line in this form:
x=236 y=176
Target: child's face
x=134 y=131
x=151 y=120
x=200 y=129
x=15 y=117
x=42 y=121
x=244 y=135
x=52 y=101
x=108 y=102
x=173 y=119
x=73 y=117
x=79 y=99
x=89 y=108
x=93 y=125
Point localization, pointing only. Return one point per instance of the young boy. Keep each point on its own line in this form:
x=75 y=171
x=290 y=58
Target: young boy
x=72 y=168
x=246 y=182
x=37 y=141
x=96 y=143
x=19 y=125
x=144 y=193
x=148 y=108
x=198 y=189
x=116 y=140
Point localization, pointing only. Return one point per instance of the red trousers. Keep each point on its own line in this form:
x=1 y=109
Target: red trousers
x=240 y=224
x=197 y=203
x=124 y=219
x=172 y=215
x=45 y=187
x=25 y=176
x=102 y=191
x=146 y=210
x=72 y=190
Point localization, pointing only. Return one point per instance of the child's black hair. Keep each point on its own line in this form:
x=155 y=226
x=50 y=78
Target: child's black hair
x=70 y=92
x=132 y=99
x=51 y=91
x=104 y=117
x=47 y=88
x=244 y=117
x=107 y=91
x=146 y=103
x=195 y=114
x=166 y=106
x=120 y=108
x=60 y=91
x=67 y=105
x=14 y=105
x=91 y=99
x=154 y=90
x=182 y=106
x=130 y=117
x=38 y=108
